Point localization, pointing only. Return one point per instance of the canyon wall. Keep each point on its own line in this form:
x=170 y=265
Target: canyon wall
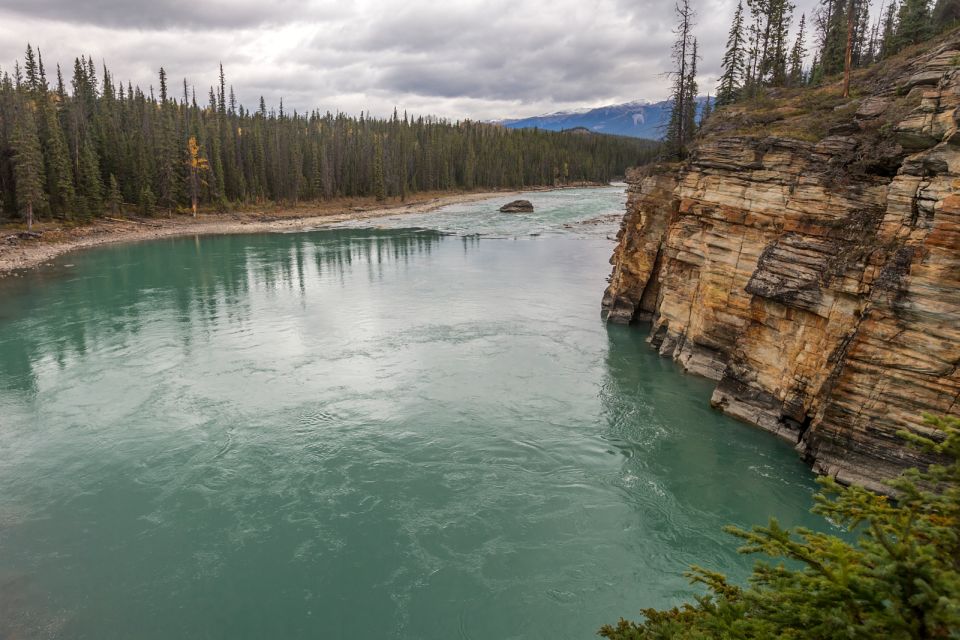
x=815 y=278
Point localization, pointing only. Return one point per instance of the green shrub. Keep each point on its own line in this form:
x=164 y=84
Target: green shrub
x=900 y=579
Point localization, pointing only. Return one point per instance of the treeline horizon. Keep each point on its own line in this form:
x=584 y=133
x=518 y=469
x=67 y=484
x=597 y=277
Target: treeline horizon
x=102 y=148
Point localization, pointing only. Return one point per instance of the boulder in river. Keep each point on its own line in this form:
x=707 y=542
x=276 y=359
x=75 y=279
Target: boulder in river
x=517 y=206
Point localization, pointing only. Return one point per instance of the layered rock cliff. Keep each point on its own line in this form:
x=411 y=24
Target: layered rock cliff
x=807 y=257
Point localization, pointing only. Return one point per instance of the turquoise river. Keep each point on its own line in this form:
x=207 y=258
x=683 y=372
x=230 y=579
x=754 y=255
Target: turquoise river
x=418 y=427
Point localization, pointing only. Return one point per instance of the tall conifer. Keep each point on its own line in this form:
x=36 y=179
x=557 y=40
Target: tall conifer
x=28 y=164
x=798 y=53
x=734 y=59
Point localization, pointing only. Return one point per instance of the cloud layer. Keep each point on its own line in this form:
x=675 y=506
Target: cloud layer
x=460 y=58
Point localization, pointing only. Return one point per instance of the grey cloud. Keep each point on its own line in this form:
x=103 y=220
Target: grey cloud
x=459 y=58
x=166 y=14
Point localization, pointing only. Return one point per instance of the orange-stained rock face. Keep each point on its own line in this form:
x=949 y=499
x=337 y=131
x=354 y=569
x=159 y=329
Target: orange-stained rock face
x=821 y=290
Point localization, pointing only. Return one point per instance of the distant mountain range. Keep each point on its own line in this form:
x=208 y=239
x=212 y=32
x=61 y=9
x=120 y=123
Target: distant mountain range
x=639 y=119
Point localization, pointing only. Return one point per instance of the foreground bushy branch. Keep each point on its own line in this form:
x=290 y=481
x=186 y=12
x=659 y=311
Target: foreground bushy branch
x=899 y=579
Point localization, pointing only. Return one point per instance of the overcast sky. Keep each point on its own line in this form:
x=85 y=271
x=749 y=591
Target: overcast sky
x=457 y=58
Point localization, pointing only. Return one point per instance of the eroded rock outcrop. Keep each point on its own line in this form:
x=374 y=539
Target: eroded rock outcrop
x=818 y=281
x=517 y=206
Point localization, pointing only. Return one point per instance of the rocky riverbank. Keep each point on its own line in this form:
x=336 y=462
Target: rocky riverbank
x=813 y=273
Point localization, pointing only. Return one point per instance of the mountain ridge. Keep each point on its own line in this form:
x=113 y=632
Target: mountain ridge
x=637 y=119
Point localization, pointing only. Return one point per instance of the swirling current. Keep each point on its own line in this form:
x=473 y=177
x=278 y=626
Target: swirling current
x=413 y=427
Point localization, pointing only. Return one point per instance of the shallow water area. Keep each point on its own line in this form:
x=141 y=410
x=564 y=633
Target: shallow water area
x=419 y=430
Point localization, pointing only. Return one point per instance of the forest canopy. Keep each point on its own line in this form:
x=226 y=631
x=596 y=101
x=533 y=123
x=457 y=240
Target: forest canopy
x=94 y=146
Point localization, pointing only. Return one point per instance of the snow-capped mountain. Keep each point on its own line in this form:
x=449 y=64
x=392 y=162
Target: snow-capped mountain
x=639 y=119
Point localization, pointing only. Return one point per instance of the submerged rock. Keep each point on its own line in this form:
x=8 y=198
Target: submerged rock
x=517 y=206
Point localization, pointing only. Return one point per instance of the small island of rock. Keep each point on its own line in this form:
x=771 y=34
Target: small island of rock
x=517 y=206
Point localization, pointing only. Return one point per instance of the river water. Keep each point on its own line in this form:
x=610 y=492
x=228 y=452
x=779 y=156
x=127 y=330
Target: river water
x=419 y=430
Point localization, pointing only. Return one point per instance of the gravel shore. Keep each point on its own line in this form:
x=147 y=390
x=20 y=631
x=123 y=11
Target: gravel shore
x=17 y=254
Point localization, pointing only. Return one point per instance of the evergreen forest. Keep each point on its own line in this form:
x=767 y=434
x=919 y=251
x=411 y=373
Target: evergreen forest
x=761 y=54
x=92 y=146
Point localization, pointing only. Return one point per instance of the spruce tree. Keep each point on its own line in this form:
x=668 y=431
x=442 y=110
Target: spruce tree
x=690 y=95
x=946 y=14
x=888 y=44
x=678 y=130
x=89 y=133
x=147 y=201
x=163 y=85
x=734 y=59
x=167 y=147
x=777 y=17
x=61 y=89
x=914 y=22
x=43 y=84
x=863 y=43
x=62 y=196
x=798 y=53
x=90 y=184
x=379 y=186
x=114 y=197
x=31 y=70
x=707 y=110
x=833 y=49
x=27 y=164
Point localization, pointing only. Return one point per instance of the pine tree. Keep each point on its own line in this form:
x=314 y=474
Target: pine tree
x=777 y=17
x=760 y=39
x=873 y=49
x=755 y=44
x=946 y=14
x=167 y=147
x=61 y=89
x=44 y=85
x=798 y=53
x=31 y=70
x=914 y=22
x=690 y=94
x=834 y=35
x=148 y=201
x=114 y=197
x=734 y=59
x=888 y=45
x=57 y=163
x=92 y=135
x=27 y=164
x=90 y=184
x=678 y=132
x=379 y=187
x=862 y=44
x=163 y=85
x=707 y=111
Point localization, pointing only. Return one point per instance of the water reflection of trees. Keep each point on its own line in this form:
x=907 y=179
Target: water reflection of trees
x=110 y=295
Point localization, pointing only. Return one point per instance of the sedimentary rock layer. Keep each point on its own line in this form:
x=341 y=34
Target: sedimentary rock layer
x=817 y=282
